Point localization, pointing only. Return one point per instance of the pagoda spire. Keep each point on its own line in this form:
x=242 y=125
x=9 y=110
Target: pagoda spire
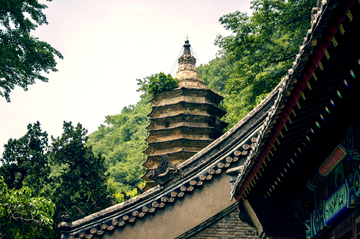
x=187 y=74
x=187 y=48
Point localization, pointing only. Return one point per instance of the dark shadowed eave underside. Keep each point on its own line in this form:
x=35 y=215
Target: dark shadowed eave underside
x=321 y=57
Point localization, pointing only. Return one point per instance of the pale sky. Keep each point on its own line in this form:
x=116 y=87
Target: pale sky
x=107 y=45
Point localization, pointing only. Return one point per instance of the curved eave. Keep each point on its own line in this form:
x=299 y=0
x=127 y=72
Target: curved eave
x=183 y=117
x=181 y=143
x=183 y=91
x=187 y=131
x=176 y=144
x=204 y=167
x=313 y=50
x=211 y=109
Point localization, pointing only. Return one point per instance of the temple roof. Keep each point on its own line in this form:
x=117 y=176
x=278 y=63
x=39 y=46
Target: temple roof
x=318 y=91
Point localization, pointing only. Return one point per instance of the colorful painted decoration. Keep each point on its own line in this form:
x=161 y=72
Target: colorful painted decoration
x=353 y=182
x=285 y=127
x=333 y=40
x=332 y=161
x=317 y=221
x=303 y=95
x=327 y=54
x=342 y=30
x=333 y=103
x=341 y=201
x=308 y=85
x=322 y=117
x=350 y=16
x=352 y=74
x=298 y=104
x=335 y=204
x=327 y=110
x=315 y=78
x=307 y=229
x=339 y=94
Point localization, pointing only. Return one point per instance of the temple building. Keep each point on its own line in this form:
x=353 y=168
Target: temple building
x=183 y=121
x=288 y=169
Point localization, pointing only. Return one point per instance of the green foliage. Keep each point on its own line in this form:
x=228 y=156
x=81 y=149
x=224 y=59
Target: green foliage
x=121 y=141
x=24 y=160
x=24 y=216
x=257 y=54
x=157 y=83
x=216 y=73
x=68 y=172
x=23 y=57
x=82 y=179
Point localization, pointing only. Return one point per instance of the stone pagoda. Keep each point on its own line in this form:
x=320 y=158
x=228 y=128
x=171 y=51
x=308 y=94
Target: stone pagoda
x=183 y=121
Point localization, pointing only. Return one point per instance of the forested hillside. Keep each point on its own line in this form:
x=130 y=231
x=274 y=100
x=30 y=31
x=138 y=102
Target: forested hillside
x=257 y=54
x=121 y=141
x=77 y=172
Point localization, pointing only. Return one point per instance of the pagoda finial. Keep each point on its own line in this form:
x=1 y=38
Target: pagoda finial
x=187 y=46
x=187 y=69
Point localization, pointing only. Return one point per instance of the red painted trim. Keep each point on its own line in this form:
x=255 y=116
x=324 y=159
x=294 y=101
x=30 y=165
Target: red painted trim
x=318 y=52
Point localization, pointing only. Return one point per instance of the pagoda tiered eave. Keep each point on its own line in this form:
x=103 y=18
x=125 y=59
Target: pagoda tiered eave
x=205 y=109
x=185 y=91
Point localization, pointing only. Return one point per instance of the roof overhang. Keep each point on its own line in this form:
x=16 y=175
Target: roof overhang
x=317 y=76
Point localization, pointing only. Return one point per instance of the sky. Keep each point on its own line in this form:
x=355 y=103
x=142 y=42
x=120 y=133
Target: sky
x=107 y=45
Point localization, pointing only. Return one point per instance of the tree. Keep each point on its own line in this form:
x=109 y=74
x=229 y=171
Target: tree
x=23 y=57
x=216 y=73
x=121 y=140
x=24 y=160
x=262 y=48
x=157 y=83
x=82 y=179
x=24 y=216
